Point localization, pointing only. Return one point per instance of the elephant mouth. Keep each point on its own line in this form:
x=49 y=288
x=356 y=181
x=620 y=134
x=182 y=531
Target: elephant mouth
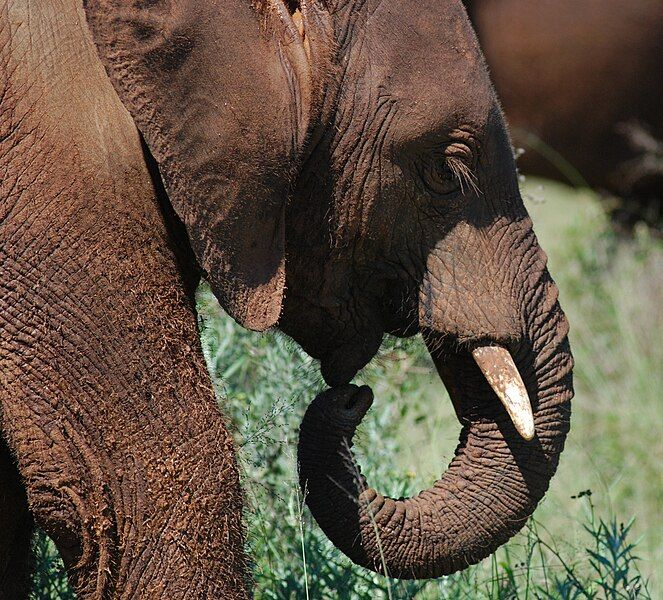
x=497 y=368
x=487 y=372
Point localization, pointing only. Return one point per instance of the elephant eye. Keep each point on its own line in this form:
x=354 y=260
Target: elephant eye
x=440 y=177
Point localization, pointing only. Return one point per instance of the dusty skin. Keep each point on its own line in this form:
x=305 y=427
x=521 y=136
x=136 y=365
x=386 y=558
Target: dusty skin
x=106 y=403
x=340 y=175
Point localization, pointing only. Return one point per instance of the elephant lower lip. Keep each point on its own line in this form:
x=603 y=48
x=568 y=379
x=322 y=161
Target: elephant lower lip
x=334 y=377
x=342 y=365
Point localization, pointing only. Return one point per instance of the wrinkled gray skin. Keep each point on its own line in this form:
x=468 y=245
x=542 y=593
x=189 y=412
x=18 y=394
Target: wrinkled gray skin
x=349 y=181
x=410 y=247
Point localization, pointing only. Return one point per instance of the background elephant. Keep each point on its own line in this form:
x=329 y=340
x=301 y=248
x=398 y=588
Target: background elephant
x=340 y=176
x=580 y=84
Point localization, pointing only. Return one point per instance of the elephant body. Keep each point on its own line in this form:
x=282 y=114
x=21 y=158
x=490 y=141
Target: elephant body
x=339 y=170
x=580 y=84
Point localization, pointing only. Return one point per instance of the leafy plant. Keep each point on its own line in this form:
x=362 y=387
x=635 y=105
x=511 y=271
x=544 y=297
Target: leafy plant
x=50 y=579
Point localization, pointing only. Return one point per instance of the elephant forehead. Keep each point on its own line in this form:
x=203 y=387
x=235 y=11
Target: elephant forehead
x=426 y=56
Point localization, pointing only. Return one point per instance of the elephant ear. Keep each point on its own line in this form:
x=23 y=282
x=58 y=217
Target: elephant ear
x=219 y=90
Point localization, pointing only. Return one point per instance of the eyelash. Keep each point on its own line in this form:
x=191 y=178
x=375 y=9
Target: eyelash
x=445 y=171
x=439 y=178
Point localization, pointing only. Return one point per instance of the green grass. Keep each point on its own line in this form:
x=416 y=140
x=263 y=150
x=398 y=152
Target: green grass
x=611 y=290
x=579 y=544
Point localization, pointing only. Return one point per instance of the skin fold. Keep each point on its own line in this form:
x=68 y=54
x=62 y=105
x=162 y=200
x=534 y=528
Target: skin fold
x=580 y=84
x=340 y=175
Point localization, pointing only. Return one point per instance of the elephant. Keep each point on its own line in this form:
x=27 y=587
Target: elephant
x=337 y=169
x=580 y=84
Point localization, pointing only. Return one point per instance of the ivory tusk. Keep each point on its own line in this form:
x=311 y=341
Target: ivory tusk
x=501 y=373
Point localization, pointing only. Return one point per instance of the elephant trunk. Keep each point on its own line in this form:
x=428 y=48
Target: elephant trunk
x=492 y=485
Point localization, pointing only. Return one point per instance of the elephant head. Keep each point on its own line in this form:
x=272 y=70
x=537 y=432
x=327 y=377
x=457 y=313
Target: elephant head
x=415 y=224
x=343 y=173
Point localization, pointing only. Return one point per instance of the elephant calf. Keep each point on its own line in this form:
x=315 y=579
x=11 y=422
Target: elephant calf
x=340 y=174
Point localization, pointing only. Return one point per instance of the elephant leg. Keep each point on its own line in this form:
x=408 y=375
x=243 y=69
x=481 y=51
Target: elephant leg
x=141 y=502
x=105 y=399
x=16 y=527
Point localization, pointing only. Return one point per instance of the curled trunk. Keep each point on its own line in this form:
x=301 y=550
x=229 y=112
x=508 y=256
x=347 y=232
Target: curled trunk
x=491 y=487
